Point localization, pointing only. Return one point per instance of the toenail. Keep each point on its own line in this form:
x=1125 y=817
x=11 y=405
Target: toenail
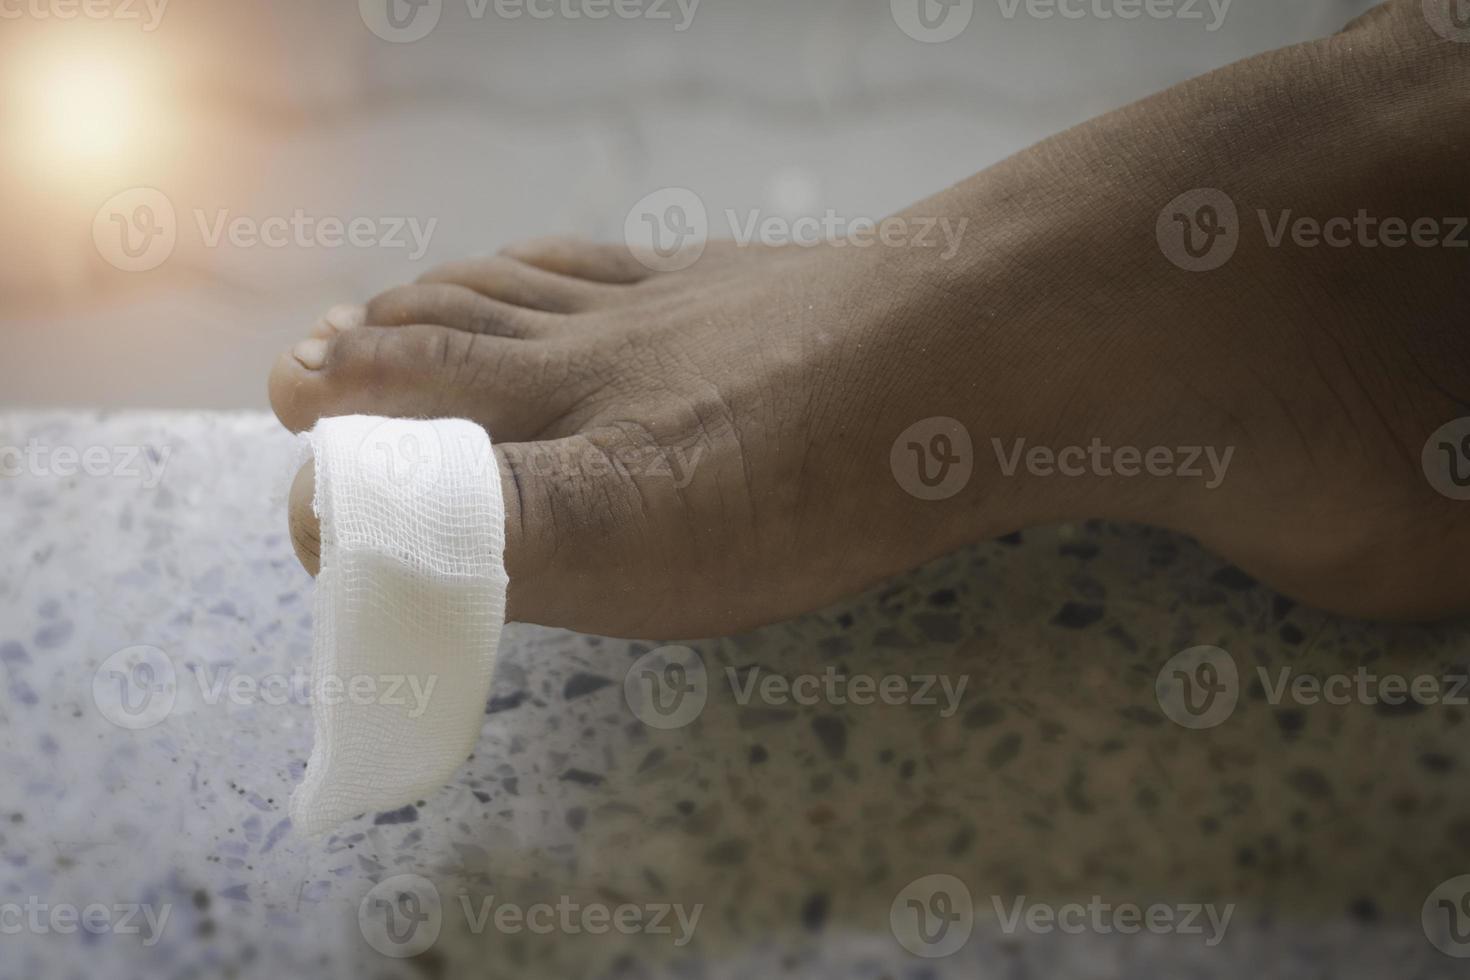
x=311 y=353
x=345 y=316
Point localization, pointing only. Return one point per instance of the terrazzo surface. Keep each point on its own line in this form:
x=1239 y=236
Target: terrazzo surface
x=786 y=821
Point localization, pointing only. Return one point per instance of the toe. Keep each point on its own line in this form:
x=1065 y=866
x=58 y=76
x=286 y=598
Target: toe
x=306 y=531
x=454 y=305
x=587 y=529
x=306 y=538
x=581 y=259
x=522 y=284
x=421 y=371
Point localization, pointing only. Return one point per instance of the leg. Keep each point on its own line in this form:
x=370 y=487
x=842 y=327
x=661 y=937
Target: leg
x=791 y=371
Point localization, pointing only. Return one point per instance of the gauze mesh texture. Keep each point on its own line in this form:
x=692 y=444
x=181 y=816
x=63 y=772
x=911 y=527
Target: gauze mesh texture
x=409 y=606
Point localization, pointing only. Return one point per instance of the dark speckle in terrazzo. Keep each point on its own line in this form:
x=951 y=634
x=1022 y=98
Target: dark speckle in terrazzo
x=728 y=852
x=832 y=732
x=1436 y=762
x=53 y=634
x=1123 y=638
x=1310 y=782
x=1082 y=549
x=582 y=684
x=758 y=754
x=1230 y=577
x=1006 y=748
x=408 y=814
x=1291 y=721
x=814 y=912
x=1076 y=793
x=939 y=628
x=1077 y=615
x=1140 y=715
x=1408 y=706
x=506 y=702
x=984 y=714
x=581 y=776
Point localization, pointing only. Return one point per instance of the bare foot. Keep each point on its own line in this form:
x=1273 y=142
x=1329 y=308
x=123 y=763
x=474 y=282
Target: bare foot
x=696 y=452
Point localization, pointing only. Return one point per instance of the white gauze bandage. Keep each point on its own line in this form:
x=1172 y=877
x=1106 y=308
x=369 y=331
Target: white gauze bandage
x=410 y=602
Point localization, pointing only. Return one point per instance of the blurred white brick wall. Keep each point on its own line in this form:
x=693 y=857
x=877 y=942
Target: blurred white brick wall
x=498 y=129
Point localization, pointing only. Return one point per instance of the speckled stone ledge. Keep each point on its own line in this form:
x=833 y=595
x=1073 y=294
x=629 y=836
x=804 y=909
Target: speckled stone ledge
x=1053 y=775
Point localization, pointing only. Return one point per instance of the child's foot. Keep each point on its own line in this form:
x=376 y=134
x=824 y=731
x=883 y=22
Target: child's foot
x=776 y=381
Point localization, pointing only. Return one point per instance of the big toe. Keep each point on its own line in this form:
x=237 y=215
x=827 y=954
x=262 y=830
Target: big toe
x=306 y=530
x=584 y=540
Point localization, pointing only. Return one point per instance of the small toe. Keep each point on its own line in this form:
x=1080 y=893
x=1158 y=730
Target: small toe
x=521 y=284
x=457 y=306
x=418 y=371
x=576 y=257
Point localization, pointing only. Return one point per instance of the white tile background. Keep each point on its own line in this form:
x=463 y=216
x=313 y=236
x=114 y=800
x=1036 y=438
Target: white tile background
x=502 y=129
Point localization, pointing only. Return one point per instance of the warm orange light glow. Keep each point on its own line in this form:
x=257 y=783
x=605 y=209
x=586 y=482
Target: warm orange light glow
x=83 y=109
